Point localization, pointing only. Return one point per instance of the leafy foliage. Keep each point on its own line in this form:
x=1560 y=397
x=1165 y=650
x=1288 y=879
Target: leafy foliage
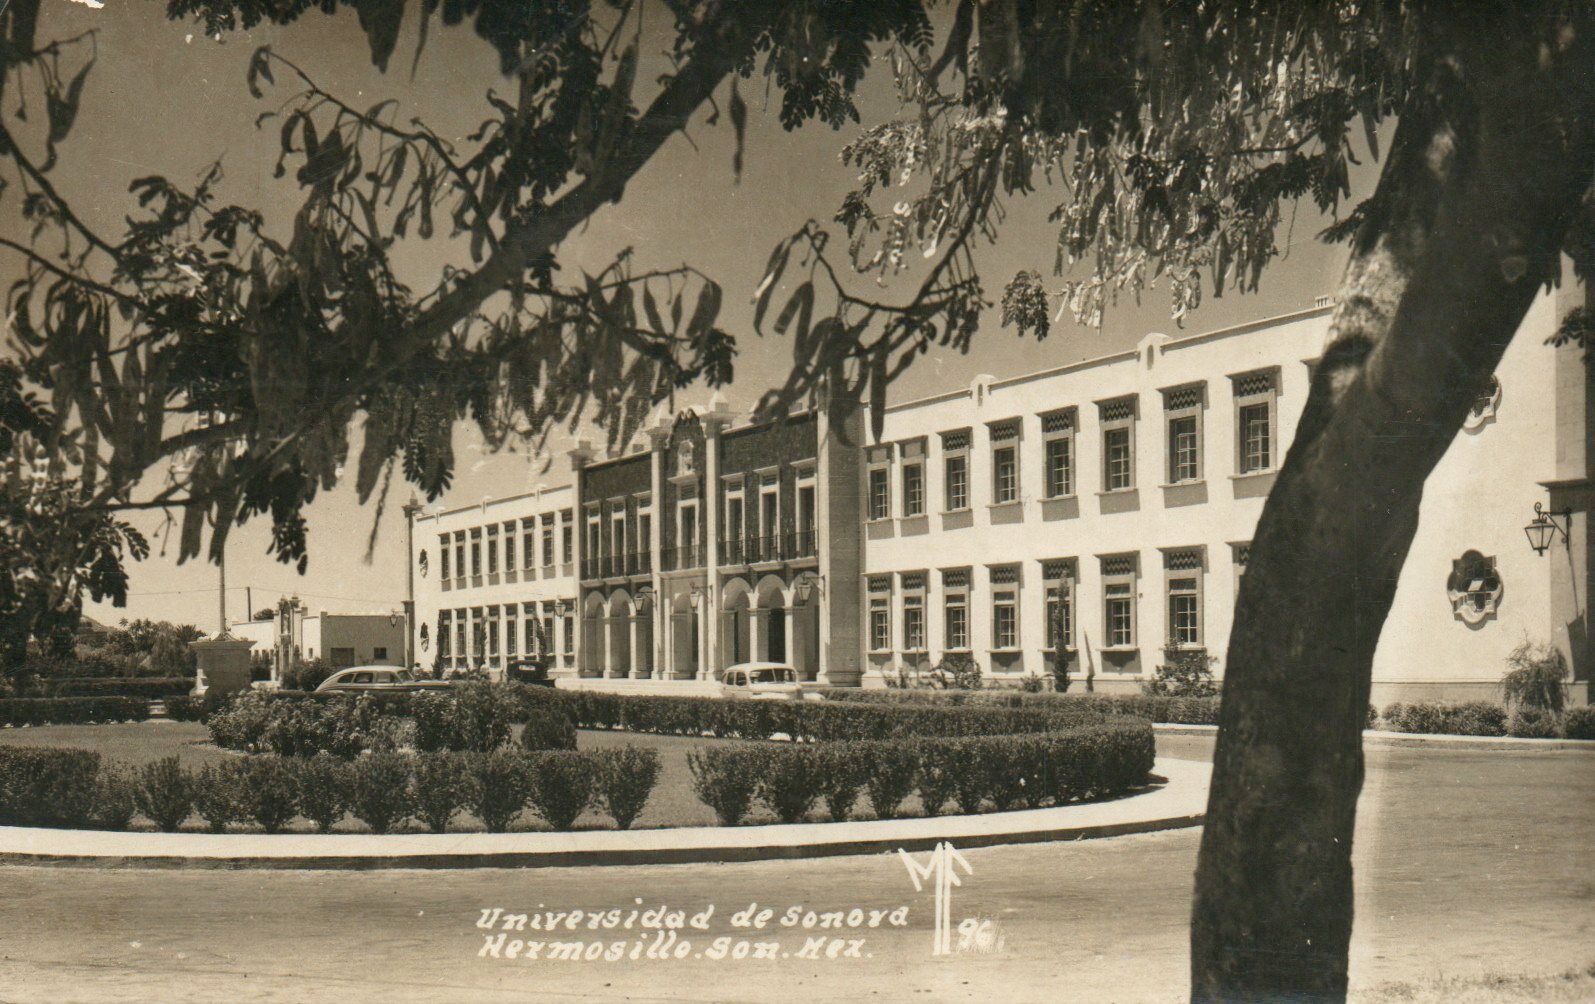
x=1537 y=678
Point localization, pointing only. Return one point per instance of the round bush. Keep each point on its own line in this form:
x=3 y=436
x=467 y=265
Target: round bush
x=1533 y=723
x=1579 y=723
x=548 y=730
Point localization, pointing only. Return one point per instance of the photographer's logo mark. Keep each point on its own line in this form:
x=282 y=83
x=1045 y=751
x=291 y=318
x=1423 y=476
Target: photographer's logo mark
x=941 y=869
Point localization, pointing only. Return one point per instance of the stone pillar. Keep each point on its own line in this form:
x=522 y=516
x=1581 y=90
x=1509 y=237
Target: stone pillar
x=711 y=545
x=659 y=438
x=580 y=456
x=839 y=529
x=223 y=665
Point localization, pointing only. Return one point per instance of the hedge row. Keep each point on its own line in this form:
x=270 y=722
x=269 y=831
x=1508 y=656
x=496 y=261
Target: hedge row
x=1172 y=710
x=69 y=787
x=1482 y=718
x=962 y=773
x=802 y=721
x=151 y=688
x=72 y=710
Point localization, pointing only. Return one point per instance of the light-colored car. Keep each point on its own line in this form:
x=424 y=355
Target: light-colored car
x=761 y=680
x=378 y=679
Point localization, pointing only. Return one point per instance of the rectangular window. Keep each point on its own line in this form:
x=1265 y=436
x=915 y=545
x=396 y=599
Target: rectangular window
x=955 y=619
x=443 y=556
x=1118 y=445
x=914 y=623
x=511 y=630
x=617 y=527
x=1004 y=609
x=645 y=533
x=1060 y=467
x=1256 y=438
x=806 y=508
x=1059 y=579
x=445 y=634
x=476 y=552
x=880 y=623
x=1004 y=463
x=529 y=543
x=770 y=520
x=1057 y=434
x=459 y=554
x=1185 y=614
x=379 y=654
x=567 y=627
x=548 y=542
x=913 y=489
x=459 y=634
x=530 y=644
x=1119 y=603
x=957 y=483
x=509 y=546
x=880 y=493
x=1183 y=409
x=491 y=628
x=492 y=551
x=1256 y=410
x=568 y=546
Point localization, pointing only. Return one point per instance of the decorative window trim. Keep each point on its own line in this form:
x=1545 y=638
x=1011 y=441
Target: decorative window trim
x=1180 y=404
x=1119 y=583
x=1058 y=427
x=1184 y=575
x=1474 y=587
x=1485 y=406
x=1257 y=387
x=1059 y=579
x=1115 y=415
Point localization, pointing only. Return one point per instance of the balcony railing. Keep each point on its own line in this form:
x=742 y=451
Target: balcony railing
x=685 y=556
x=733 y=552
x=801 y=544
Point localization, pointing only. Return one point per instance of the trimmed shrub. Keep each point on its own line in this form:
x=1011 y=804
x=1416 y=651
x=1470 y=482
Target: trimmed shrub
x=497 y=787
x=48 y=786
x=548 y=730
x=1471 y=718
x=1172 y=710
x=433 y=715
x=321 y=790
x=114 y=803
x=789 y=782
x=379 y=790
x=195 y=707
x=268 y=792
x=218 y=794
x=1529 y=722
x=260 y=722
x=891 y=780
x=1579 y=723
x=841 y=770
x=165 y=793
x=482 y=715
x=725 y=779
x=17 y=711
x=936 y=774
x=440 y=788
x=626 y=778
x=563 y=784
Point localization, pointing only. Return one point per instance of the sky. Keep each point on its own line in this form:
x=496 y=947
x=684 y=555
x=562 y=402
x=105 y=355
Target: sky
x=164 y=99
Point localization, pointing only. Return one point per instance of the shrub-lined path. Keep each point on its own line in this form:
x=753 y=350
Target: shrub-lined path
x=1469 y=862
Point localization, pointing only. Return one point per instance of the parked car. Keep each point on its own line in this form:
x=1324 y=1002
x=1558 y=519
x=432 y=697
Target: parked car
x=378 y=679
x=761 y=680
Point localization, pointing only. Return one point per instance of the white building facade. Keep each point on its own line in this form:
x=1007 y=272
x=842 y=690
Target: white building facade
x=495 y=584
x=1083 y=519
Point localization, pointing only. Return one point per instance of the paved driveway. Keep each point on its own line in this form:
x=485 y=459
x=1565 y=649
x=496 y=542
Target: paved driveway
x=1468 y=862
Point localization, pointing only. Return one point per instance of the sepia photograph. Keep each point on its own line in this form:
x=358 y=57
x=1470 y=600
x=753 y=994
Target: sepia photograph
x=768 y=500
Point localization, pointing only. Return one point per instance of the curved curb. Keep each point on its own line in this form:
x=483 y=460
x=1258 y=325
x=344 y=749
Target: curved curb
x=1381 y=737
x=1179 y=803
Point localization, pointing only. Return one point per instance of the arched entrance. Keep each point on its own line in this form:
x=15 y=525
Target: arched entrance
x=617 y=658
x=683 y=638
x=736 y=642
x=771 y=612
x=592 y=656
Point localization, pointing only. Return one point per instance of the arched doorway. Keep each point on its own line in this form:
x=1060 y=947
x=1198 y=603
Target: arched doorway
x=617 y=658
x=592 y=656
x=683 y=638
x=736 y=642
x=771 y=611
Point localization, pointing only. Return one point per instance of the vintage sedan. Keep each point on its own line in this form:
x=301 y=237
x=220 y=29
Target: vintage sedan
x=378 y=680
x=761 y=680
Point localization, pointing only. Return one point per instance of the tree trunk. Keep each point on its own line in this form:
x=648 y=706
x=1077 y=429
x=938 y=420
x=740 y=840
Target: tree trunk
x=1487 y=169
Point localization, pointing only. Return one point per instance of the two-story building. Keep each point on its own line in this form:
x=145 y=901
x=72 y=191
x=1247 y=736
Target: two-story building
x=1085 y=518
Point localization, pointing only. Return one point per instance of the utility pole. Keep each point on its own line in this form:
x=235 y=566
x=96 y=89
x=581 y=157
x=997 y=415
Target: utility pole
x=249 y=602
x=411 y=509
x=221 y=595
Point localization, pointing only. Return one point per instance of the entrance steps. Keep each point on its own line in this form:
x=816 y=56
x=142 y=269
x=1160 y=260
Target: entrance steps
x=671 y=688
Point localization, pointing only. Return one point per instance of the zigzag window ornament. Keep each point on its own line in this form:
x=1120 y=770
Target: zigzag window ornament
x=1474 y=587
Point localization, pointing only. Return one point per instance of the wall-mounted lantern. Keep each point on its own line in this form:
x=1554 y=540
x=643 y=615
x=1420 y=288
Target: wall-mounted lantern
x=1544 y=527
